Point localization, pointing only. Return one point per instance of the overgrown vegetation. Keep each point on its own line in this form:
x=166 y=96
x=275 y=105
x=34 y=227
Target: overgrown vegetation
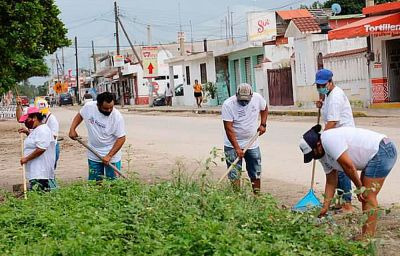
x=177 y=217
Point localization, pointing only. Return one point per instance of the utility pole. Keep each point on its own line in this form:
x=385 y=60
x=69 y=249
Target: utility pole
x=121 y=93
x=94 y=58
x=77 y=85
x=148 y=35
x=57 y=65
x=232 y=27
x=191 y=36
x=226 y=31
x=63 y=63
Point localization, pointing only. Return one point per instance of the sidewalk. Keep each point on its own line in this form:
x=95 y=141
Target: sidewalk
x=273 y=110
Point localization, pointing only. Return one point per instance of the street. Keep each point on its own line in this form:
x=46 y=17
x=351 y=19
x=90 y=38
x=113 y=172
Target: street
x=157 y=142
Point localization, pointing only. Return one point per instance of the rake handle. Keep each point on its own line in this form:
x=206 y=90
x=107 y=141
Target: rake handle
x=313 y=167
x=99 y=156
x=237 y=158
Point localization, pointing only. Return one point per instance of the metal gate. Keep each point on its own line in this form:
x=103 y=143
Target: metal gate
x=280 y=87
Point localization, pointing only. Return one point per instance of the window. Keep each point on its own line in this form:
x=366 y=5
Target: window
x=260 y=59
x=187 y=75
x=247 y=66
x=203 y=73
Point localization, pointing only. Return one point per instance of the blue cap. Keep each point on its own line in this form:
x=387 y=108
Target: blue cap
x=323 y=76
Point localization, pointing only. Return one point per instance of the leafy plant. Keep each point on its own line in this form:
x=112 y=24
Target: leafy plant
x=187 y=217
x=211 y=90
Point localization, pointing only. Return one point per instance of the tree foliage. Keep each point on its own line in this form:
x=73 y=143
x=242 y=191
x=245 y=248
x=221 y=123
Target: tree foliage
x=29 y=30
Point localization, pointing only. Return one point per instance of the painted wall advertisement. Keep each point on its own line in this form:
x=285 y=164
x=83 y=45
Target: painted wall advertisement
x=261 y=26
x=380 y=90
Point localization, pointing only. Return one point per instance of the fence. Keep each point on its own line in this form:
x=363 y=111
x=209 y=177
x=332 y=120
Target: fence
x=7 y=112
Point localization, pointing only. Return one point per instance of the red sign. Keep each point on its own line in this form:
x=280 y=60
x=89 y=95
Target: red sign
x=380 y=90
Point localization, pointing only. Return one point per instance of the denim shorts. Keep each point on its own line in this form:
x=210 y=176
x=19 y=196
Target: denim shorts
x=383 y=161
x=98 y=171
x=253 y=163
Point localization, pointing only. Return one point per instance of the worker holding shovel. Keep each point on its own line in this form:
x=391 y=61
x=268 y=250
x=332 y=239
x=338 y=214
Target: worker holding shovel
x=336 y=112
x=51 y=121
x=240 y=116
x=106 y=132
x=353 y=149
x=39 y=148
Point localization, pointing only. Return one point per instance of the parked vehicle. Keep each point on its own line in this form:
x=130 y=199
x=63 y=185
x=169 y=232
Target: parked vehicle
x=24 y=101
x=65 y=99
x=160 y=100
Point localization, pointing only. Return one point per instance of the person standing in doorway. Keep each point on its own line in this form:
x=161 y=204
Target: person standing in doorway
x=240 y=116
x=106 y=132
x=169 y=93
x=198 y=93
x=336 y=112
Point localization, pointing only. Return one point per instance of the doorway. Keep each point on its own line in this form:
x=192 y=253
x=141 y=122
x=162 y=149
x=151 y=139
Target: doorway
x=393 y=66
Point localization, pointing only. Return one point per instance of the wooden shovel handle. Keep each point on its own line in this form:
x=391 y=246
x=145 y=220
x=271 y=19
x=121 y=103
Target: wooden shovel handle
x=97 y=154
x=237 y=158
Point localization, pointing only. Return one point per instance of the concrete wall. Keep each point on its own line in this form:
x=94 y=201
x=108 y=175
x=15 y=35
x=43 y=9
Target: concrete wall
x=240 y=56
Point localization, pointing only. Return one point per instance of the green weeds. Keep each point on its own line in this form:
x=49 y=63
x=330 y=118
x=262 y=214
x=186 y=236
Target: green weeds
x=178 y=217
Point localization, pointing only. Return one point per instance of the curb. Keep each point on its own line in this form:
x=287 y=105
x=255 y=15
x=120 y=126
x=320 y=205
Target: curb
x=218 y=111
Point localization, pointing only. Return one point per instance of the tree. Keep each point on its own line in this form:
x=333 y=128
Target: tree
x=351 y=7
x=29 y=30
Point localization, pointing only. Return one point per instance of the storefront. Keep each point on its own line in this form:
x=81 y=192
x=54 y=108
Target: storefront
x=382 y=27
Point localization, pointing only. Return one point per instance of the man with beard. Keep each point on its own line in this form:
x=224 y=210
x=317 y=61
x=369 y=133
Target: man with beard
x=106 y=132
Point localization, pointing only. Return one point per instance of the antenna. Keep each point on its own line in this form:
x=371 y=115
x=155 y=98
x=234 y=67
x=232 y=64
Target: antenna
x=179 y=14
x=336 y=8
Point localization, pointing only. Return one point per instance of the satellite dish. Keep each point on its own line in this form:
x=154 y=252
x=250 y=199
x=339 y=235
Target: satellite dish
x=336 y=9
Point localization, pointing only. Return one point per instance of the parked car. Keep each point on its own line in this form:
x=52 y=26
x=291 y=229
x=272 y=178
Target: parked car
x=160 y=100
x=65 y=99
x=24 y=101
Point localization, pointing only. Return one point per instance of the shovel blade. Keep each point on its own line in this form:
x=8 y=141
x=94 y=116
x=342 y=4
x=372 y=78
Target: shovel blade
x=308 y=202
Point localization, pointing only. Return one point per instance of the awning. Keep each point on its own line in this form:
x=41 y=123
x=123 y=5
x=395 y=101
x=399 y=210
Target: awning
x=382 y=25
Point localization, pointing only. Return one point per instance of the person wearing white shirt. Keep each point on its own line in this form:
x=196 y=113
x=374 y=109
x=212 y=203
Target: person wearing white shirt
x=240 y=116
x=39 y=148
x=51 y=121
x=106 y=132
x=336 y=112
x=169 y=93
x=353 y=149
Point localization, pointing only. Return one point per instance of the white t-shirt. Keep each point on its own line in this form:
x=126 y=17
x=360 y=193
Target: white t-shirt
x=329 y=164
x=337 y=108
x=103 y=130
x=244 y=118
x=360 y=144
x=52 y=123
x=169 y=91
x=41 y=167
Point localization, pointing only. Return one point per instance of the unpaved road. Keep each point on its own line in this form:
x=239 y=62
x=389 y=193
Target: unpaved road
x=156 y=142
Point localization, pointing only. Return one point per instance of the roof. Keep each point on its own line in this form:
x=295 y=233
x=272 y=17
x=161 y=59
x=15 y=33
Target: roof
x=348 y=16
x=307 y=25
x=381 y=8
x=345 y=53
x=388 y=24
x=291 y=14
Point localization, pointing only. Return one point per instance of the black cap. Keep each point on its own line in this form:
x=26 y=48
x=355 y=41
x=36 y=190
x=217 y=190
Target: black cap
x=309 y=142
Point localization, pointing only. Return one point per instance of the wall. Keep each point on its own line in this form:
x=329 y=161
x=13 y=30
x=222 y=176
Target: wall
x=279 y=55
x=240 y=56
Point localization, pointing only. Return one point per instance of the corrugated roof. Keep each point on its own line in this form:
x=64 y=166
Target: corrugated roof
x=381 y=8
x=307 y=25
x=292 y=14
x=345 y=53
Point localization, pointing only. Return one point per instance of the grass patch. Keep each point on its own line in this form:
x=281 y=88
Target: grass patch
x=169 y=218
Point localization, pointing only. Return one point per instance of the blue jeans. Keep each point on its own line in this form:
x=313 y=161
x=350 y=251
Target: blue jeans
x=253 y=163
x=97 y=170
x=383 y=161
x=344 y=184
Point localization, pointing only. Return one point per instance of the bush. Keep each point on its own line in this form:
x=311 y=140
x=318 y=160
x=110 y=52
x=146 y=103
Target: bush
x=170 y=218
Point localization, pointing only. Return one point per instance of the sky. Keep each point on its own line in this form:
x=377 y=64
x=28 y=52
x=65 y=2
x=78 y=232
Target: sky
x=93 y=20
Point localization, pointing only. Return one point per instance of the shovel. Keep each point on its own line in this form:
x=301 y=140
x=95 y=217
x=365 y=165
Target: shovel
x=310 y=200
x=237 y=158
x=97 y=154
